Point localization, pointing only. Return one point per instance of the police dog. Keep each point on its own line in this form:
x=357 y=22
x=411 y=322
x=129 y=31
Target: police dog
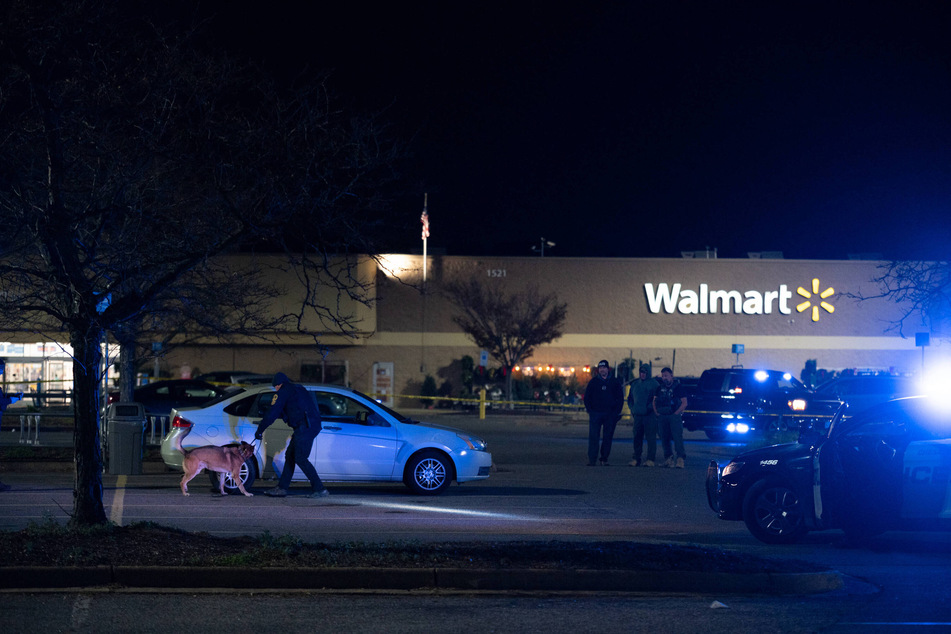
x=220 y=459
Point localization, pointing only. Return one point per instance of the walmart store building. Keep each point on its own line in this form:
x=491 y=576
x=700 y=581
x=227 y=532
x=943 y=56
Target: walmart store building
x=685 y=313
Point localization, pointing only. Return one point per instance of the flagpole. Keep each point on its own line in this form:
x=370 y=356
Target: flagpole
x=424 y=218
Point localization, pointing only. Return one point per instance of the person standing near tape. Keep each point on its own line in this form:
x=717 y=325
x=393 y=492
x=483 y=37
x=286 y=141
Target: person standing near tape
x=603 y=400
x=297 y=407
x=641 y=401
x=669 y=403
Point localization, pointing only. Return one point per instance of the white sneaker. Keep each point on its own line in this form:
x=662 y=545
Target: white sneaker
x=669 y=462
x=680 y=463
x=632 y=463
x=648 y=463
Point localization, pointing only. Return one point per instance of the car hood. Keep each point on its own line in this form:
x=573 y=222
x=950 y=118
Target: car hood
x=424 y=425
x=783 y=452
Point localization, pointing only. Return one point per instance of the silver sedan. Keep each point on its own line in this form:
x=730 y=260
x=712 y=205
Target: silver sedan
x=361 y=440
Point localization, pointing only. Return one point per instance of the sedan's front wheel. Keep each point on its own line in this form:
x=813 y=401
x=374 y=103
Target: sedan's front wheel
x=773 y=513
x=428 y=473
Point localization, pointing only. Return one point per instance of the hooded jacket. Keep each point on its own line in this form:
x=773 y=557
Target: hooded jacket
x=294 y=404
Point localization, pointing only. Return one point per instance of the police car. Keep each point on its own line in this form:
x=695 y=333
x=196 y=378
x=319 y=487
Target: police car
x=886 y=468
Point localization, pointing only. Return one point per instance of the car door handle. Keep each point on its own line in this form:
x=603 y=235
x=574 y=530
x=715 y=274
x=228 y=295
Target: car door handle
x=331 y=427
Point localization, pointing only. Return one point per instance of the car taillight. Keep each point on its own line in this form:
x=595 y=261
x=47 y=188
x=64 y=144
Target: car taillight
x=797 y=405
x=180 y=422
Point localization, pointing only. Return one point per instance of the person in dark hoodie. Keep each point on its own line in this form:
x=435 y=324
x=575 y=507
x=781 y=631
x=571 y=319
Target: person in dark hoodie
x=297 y=407
x=603 y=400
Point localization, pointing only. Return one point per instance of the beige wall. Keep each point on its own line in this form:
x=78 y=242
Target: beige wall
x=609 y=317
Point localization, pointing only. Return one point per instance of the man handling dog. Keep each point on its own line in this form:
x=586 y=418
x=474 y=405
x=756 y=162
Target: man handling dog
x=297 y=407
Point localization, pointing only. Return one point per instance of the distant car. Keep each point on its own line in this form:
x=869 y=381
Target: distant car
x=863 y=391
x=732 y=403
x=233 y=377
x=886 y=468
x=255 y=379
x=160 y=397
x=361 y=440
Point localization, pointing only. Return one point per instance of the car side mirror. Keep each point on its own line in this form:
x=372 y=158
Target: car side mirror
x=362 y=417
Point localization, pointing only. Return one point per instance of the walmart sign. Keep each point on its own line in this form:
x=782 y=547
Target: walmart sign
x=674 y=298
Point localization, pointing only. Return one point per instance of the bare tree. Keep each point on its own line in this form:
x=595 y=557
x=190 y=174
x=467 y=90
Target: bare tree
x=129 y=162
x=922 y=290
x=508 y=326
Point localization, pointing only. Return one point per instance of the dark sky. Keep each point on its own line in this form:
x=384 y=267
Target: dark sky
x=631 y=129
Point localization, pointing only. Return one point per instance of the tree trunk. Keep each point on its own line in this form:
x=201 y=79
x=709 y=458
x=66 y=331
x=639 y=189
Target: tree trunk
x=87 y=408
x=126 y=369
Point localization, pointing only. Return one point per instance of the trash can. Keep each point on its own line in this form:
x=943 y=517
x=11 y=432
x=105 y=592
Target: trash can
x=125 y=423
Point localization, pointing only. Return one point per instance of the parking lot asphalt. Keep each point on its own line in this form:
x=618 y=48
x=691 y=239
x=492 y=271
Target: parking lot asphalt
x=26 y=578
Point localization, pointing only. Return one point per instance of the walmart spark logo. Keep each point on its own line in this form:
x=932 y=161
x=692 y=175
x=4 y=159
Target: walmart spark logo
x=806 y=305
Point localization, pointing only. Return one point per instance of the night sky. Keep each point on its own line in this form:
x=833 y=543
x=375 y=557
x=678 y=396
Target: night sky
x=630 y=129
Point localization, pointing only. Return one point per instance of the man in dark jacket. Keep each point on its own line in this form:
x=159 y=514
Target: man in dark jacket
x=297 y=407
x=603 y=399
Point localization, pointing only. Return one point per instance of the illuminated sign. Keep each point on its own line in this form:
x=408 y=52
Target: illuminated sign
x=826 y=306
x=674 y=298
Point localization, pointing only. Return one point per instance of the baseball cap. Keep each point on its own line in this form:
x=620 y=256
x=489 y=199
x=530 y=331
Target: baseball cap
x=603 y=363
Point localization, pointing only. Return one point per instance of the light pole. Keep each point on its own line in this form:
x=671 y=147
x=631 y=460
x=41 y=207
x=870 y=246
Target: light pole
x=541 y=249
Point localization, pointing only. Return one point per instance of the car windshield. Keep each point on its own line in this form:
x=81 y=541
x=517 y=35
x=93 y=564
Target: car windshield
x=227 y=394
x=391 y=412
x=929 y=419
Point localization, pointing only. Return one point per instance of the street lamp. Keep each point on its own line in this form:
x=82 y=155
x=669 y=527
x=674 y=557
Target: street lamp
x=541 y=249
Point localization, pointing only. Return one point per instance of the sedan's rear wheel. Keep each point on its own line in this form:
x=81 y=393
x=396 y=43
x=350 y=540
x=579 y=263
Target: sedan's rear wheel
x=429 y=473
x=773 y=512
x=247 y=473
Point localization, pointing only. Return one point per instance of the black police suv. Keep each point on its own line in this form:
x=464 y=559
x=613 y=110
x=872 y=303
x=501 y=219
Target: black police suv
x=735 y=402
x=886 y=468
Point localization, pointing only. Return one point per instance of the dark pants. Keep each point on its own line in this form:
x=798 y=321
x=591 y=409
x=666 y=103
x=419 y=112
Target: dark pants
x=597 y=421
x=645 y=427
x=298 y=453
x=672 y=430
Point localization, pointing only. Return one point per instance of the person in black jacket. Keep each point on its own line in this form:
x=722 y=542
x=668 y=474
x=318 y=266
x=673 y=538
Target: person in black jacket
x=603 y=400
x=299 y=410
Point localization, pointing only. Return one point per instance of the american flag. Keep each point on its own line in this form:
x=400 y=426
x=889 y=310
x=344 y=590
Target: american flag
x=425 y=220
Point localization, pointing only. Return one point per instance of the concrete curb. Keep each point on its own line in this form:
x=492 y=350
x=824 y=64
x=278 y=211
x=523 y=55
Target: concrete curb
x=714 y=583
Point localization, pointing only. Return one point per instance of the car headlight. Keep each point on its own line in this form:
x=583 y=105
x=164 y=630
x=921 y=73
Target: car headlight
x=798 y=405
x=474 y=443
x=731 y=468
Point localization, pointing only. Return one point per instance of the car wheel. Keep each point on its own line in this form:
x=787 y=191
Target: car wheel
x=715 y=434
x=773 y=513
x=777 y=424
x=248 y=474
x=428 y=473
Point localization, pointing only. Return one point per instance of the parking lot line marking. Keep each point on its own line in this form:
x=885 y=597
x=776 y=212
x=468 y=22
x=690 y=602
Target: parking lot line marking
x=118 y=499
